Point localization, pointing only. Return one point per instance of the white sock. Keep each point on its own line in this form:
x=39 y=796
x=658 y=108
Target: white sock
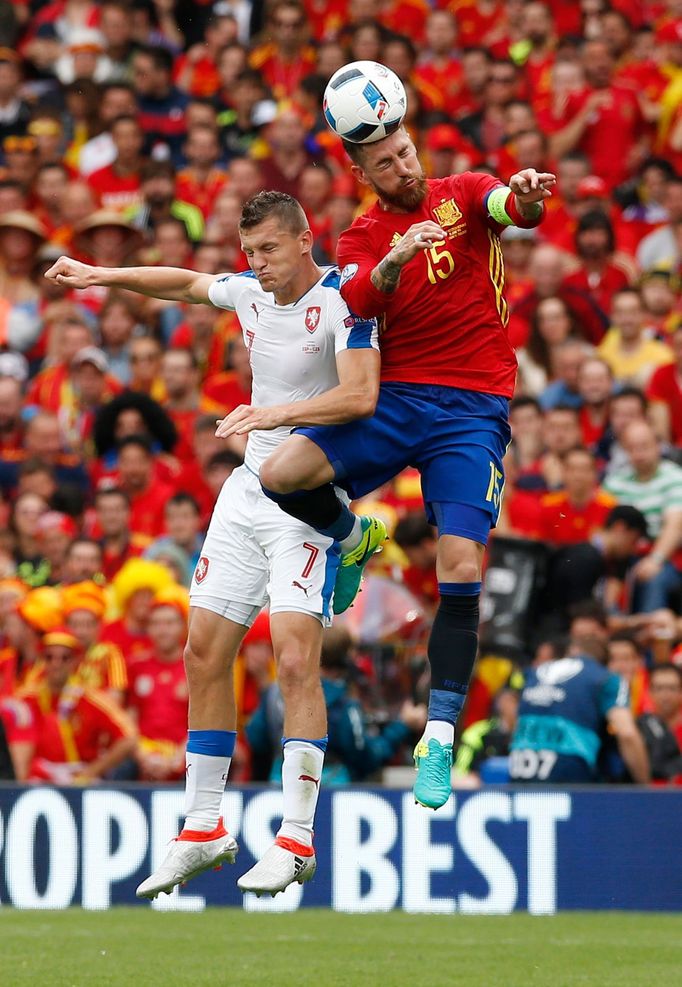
x=205 y=778
x=353 y=539
x=440 y=730
x=301 y=773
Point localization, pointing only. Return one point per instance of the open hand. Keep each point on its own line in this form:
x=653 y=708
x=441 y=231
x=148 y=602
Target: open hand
x=246 y=418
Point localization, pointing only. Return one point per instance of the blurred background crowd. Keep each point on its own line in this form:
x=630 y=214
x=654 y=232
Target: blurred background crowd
x=132 y=131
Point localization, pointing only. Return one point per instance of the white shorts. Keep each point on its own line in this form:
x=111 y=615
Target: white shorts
x=254 y=552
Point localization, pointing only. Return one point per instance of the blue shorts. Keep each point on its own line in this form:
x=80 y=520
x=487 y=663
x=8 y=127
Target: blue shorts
x=455 y=438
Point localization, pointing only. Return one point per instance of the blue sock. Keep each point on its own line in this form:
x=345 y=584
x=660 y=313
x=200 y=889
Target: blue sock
x=216 y=743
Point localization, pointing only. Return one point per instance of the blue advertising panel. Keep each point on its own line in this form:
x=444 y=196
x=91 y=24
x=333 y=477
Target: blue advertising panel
x=486 y=852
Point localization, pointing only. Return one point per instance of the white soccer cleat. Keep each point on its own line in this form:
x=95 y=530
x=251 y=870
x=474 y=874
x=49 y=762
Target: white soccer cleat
x=191 y=854
x=283 y=864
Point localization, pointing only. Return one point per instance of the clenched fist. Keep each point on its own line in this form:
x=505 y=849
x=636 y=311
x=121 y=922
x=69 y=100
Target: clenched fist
x=71 y=273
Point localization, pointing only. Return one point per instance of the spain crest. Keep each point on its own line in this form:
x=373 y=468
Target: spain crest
x=447 y=213
x=312 y=318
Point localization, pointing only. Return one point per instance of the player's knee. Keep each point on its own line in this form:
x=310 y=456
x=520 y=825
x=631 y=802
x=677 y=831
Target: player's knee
x=464 y=571
x=273 y=477
x=295 y=671
x=203 y=662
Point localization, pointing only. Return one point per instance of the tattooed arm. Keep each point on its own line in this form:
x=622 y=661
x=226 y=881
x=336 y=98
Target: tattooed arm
x=386 y=275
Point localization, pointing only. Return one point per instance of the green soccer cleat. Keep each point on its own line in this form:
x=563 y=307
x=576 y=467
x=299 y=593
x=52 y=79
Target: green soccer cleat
x=433 y=762
x=349 y=575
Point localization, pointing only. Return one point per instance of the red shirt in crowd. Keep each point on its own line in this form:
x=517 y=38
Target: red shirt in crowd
x=611 y=131
x=115 y=191
x=75 y=725
x=600 y=287
x=158 y=693
x=665 y=386
x=562 y=523
x=147 y=507
x=446 y=324
x=134 y=647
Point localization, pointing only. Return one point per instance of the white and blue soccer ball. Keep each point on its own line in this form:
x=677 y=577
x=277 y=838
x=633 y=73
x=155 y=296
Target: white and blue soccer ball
x=364 y=102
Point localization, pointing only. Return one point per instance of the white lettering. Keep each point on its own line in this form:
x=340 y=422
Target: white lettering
x=353 y=856
x=61 y=856
x=542 y=812
x=101 y=867
x=421 y=857
x=484 y=854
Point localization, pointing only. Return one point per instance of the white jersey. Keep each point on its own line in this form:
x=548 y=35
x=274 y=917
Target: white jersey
x=292 y=348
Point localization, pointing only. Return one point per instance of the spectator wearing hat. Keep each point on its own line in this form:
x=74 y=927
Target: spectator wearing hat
x=21 y=236
x=159 y=696
x=78 y=734
x=89 y=386
x=84 y=58
x=160 y=202
x=664 y=391
x=106 y=238
x=161 y=104
x=118 y=185
x=38 y=612
x=135 y=585
x=628 y=349
x=599 y=275
x=54 y=533
x=102 y=666
x=117 y=541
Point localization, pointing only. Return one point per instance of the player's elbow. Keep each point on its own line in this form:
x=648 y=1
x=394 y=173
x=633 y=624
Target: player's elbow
x=364 y=400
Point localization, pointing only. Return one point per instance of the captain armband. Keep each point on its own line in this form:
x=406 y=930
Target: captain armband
x=501 y=206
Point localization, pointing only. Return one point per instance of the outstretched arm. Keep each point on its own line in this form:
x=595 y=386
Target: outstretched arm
x=174 y=284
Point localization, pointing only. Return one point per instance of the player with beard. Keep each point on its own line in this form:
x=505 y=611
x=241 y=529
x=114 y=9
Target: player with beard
x=427 y=257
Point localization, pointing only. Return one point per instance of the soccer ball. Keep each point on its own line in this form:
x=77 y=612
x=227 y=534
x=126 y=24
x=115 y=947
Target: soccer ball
x=364 y=102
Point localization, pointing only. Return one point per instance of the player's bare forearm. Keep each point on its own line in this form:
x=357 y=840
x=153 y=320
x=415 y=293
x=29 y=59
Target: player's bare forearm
x=419 y=237
x=354 y=397
x=173 y=284
x=386 y=275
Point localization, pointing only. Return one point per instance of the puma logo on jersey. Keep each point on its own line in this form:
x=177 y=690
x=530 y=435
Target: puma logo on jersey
x=256 y=310
x=300 y=586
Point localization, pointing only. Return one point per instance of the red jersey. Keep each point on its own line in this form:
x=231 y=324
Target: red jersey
x=665 y=386
x=562 y=523
x=116 y=191
x=600 y=287
x=133 y=647
x=146 y=509
x=611 y=132
x=446 y=322
x=74 y=726
x=158 y=692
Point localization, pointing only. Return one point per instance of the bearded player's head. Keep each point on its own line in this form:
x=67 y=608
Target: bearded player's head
x=391 y=168
x=276 y=239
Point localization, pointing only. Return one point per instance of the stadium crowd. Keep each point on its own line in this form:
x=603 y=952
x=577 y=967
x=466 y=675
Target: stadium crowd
x=132 y=131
